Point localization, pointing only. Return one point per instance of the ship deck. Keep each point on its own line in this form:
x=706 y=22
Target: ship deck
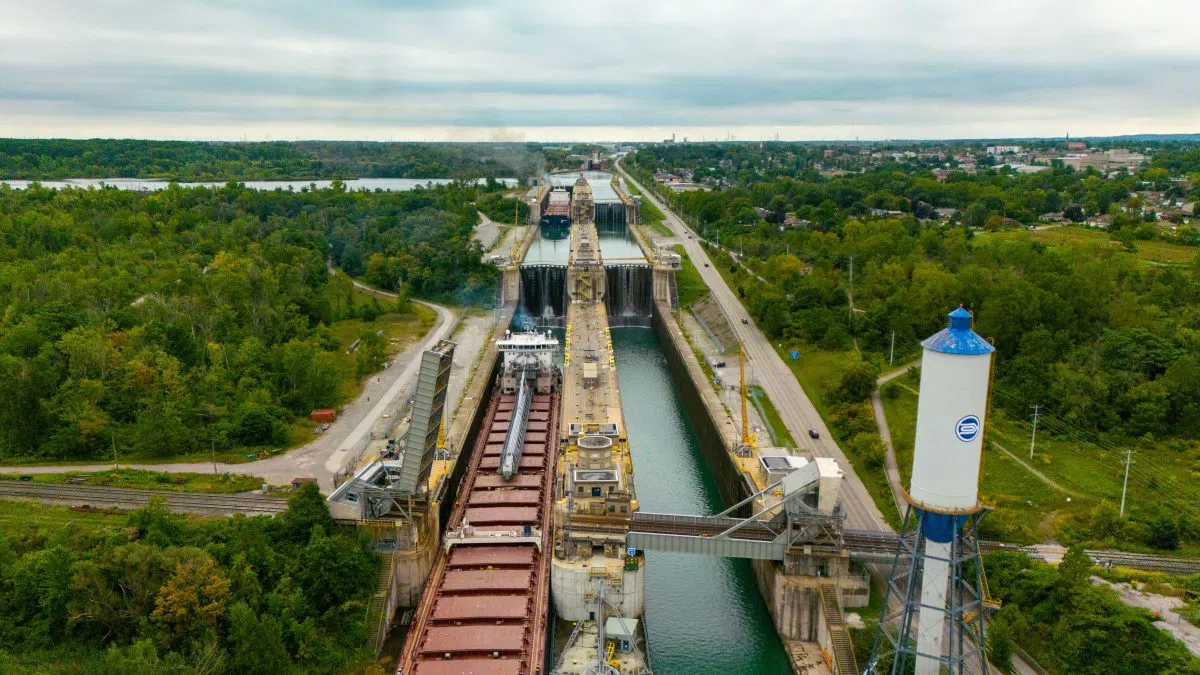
x=484 y=608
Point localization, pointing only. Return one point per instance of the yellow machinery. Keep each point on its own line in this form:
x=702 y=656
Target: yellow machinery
x=748 y=439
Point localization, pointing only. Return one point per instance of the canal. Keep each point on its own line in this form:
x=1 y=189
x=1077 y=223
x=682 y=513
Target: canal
x=703 y=615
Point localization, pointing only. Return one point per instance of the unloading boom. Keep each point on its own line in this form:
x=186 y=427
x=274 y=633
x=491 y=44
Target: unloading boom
x=510 y=460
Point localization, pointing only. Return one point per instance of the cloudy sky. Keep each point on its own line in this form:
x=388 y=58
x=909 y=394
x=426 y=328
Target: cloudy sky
x=600 y=70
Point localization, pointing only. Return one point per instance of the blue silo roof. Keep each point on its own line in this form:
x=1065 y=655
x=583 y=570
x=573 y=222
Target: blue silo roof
x=958 y=338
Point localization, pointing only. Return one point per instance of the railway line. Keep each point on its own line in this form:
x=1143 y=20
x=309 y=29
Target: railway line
x=875 y=546
x=132 y=498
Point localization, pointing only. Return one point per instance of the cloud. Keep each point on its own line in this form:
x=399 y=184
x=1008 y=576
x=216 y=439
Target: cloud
x=535 y=69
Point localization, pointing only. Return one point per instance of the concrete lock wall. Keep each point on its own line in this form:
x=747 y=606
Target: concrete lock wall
x=412 y=568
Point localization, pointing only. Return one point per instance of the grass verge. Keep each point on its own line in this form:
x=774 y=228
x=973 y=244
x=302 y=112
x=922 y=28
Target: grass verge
x=690 y=285
x=154 y=480
x=650 y=215
x=780 y=437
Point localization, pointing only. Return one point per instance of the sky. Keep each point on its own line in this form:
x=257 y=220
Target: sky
x=514 y=70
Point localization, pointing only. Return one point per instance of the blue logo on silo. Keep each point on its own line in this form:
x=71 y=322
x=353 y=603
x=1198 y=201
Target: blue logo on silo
x=967 y=428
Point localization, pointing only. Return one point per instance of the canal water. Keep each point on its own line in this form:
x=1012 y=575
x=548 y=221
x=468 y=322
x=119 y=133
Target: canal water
x=703 y=615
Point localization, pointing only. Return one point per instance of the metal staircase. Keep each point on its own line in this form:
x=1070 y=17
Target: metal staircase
x=377 y=615
x=843 y=650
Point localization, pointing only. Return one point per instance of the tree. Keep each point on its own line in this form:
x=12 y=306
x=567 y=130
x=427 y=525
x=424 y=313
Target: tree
x=191 y=602
x=1164 y=533
x=1073 y=572
x=856 y=383
x=256 y=644
x=331 y=573
x=306 y=510
x=372 y=352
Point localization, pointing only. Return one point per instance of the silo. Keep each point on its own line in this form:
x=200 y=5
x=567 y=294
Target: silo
x=938 y=536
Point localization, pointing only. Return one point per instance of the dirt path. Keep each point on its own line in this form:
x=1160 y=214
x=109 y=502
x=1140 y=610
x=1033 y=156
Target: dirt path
x=891 y=466
x=1040 y=476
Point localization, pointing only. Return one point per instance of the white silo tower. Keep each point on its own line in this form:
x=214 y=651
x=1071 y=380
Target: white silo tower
x=933 y=615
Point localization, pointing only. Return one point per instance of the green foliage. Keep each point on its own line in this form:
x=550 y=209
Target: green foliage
x=1071 y=626
x=166 y=323
x=192 y=161
x=690 y=284
x=306 y=510
x=232 y=595
x=856 y=383
x=258 y=646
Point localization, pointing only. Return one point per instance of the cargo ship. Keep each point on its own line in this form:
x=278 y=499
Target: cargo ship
x=556 y=217
x=484 y=608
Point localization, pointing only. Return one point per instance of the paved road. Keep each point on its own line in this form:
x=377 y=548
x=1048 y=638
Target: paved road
x=321 y=457
x=776 y=379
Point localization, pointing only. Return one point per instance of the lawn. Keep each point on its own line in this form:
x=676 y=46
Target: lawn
x=779 y=433
x=691 y=286
x=155 y=480
x=1149 y=251
x=817 y=370
x=900 y=406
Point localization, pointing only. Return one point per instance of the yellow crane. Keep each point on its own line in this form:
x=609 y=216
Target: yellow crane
x=748 y=439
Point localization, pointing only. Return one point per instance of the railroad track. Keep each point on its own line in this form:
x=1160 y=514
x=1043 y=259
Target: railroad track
x=132 y=498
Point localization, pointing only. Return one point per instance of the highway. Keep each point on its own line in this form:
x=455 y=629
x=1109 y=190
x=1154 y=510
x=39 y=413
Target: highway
x=797 y=411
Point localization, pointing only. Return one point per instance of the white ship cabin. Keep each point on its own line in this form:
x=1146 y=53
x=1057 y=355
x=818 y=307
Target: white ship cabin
x=525 y=354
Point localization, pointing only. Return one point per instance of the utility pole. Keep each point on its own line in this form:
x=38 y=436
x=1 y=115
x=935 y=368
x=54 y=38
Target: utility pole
x=213 y=444
x=892 y=352
x=116 y=460
x=1033 y=436
x=1125 y=483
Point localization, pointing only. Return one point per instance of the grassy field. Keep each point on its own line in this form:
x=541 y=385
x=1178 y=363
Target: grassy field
x=18 y=517
x=692 y=288
x=1027 y=508
x=1149 y=251
x=779 y=433
x=650 y=215
x=399 y=331
x=817 y=370
x=155 y=480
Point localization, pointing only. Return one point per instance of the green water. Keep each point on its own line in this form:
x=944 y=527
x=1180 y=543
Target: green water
x=703 y=615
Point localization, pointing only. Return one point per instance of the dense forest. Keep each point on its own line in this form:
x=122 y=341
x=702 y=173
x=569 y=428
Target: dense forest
x=222 y=161
x=200 y=318
x=161 y=593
